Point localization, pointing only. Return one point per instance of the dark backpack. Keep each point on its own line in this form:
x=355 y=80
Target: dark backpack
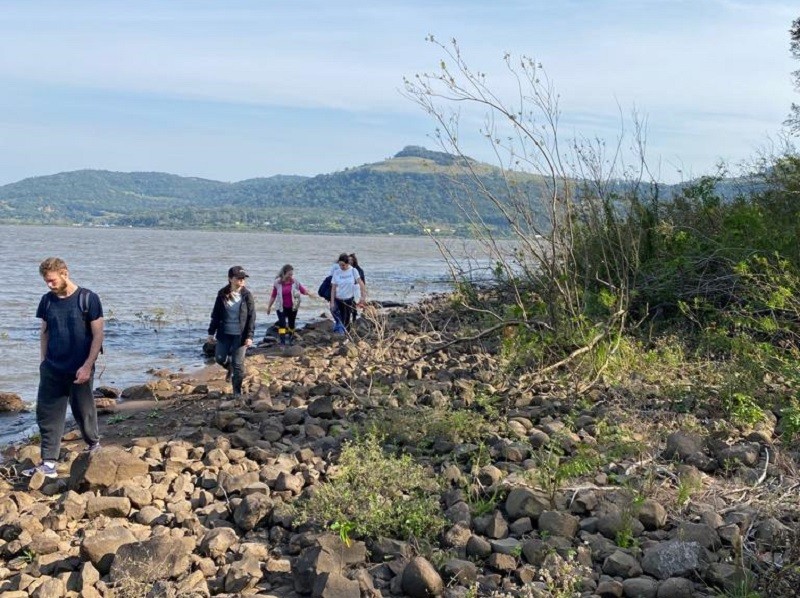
x=83 y=305
x=324 y=289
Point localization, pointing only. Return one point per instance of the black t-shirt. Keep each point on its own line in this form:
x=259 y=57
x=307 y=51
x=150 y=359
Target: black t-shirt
x=69 y=335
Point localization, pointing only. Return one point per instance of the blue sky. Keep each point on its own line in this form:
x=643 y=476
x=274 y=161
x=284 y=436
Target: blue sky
x=242 y=89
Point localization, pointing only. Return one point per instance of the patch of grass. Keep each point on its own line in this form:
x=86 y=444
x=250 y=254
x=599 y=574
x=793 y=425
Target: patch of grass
x=790 y=422
x=371 y=493
x=482 y=505
x=687 y=487
x=118 y=418
x=420 y=427
x=742 y=409
x=554 y=468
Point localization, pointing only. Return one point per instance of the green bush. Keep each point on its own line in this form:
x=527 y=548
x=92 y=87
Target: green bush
x=373 y=494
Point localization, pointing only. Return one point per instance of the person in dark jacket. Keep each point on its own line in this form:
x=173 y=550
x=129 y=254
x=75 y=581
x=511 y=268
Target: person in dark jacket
x=233 y=321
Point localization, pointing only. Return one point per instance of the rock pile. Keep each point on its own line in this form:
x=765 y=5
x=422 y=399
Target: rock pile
x=208 y=506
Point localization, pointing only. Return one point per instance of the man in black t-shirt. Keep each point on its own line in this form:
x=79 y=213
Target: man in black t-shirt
x=71 y=337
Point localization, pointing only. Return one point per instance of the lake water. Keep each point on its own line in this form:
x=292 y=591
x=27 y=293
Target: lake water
x=142 y=275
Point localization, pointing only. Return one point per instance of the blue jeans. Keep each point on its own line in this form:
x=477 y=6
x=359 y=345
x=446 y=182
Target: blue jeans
x=56 y=389
x=230 y=353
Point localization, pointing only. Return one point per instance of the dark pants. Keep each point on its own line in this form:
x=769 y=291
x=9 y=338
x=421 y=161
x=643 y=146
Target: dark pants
x=286 y=316
x=56 y=390
x=347 y=310
x=230 y=353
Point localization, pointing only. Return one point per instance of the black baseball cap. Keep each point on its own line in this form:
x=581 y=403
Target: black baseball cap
x=237 y=272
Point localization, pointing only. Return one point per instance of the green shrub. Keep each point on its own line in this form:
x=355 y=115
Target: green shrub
x=418 y=428
x=373 y=494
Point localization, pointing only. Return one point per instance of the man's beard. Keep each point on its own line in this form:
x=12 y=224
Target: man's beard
x=61 y=289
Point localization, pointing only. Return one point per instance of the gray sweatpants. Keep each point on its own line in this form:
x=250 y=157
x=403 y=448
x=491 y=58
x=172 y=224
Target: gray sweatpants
x=56 y=390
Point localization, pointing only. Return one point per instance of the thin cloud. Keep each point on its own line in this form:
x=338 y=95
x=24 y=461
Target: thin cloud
x=285 y=78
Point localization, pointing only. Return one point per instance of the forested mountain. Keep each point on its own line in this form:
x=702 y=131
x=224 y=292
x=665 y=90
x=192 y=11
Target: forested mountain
x=413 y=190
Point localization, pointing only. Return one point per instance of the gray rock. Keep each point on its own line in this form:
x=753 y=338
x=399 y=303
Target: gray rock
x=614 y=522
x=675 y=587
x=150 y=515
x=621 y=564
x=100 y=548
x=502 y=562
x=520 y=527
x=744 y=453
x=321 y=408
x=496 y=526
x=139 y=392
x=242 y=575
x=538 y=438
x=524 y=502
x=682 y=445
x=674 y=559
x=534 y=551
x=109 y=506
x=459 y=513
x=421 y=580
x=506 y=545
x=728 y=577
x=216 y=542
x=457 y=536
x=610 y=588
x=253 y=509
x=11 y=403
x=652 y=515
x=104 y=468
x=160 y=557
x=489 y=475
x=51 y=587
x=460 y=572
x=478 y=547
x=384 y=549
x=73 y=505
x=697 y=532
x=640 y=587
x=771 y=533
x=335 y=585
x=557 y=523
x=585 y=502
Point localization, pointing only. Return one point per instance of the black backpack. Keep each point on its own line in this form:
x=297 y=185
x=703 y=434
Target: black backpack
x=324 y=289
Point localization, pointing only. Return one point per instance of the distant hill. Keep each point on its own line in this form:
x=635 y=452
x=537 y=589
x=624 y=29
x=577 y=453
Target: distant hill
x=413 y=190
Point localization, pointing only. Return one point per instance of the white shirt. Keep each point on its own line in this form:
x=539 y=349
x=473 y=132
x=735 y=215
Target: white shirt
x=346 y=282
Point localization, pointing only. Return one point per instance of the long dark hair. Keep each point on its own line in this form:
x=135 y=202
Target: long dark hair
x=353 y=260
x=282 y=272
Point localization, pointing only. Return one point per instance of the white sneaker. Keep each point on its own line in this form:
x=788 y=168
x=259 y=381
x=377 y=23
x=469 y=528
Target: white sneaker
x=47 y=470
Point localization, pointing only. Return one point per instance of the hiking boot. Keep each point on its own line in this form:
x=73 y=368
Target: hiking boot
x=92 y=448
x=47 y=470
x=229 y=372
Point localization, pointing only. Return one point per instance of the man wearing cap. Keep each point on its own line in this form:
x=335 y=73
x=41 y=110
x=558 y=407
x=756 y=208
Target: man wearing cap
x=233 y=321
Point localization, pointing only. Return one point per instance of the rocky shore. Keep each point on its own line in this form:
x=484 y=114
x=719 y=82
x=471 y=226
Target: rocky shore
x=544 y=493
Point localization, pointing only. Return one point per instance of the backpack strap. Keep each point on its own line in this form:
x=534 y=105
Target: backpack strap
x=83 y=303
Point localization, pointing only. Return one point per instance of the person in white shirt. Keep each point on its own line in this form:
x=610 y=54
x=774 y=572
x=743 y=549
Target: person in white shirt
x=347 y=288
